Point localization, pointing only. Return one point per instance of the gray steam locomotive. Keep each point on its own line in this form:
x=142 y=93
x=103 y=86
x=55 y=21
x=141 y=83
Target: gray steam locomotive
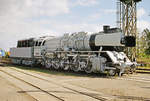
x=98 y=52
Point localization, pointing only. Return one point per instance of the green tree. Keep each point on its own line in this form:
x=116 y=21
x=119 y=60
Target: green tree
x=147 y=51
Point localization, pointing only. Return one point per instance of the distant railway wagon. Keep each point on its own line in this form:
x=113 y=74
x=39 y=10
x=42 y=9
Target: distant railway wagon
x=98 y=52
x=2 y=53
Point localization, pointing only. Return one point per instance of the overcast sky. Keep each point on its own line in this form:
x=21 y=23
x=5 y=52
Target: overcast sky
x=21 y=19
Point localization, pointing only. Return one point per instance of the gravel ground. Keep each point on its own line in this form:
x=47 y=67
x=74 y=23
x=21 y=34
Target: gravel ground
x=9 y=92
x=134 y=87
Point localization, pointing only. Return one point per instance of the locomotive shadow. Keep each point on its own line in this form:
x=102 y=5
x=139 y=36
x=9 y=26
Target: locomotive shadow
x=62 y=72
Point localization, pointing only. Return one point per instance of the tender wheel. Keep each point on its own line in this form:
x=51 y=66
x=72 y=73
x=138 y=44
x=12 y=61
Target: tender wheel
x=18 y=61
x=89 y=69
x=112 y=72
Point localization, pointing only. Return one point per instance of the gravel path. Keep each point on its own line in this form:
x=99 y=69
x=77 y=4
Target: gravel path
x=25 y=85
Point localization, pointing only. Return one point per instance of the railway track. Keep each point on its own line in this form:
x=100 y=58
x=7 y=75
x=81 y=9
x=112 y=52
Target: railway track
x=90 y=94
x=81 y=91
x=95 y=96
x=136 y=78
x=143 y=71
x=33 y=86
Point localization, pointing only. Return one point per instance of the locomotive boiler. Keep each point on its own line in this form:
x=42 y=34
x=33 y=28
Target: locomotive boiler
x=98 y=52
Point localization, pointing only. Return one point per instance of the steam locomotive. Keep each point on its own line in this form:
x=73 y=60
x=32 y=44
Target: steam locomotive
x=98 y=52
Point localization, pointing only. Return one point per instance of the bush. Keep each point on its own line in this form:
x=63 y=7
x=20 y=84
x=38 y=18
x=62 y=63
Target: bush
x=143 y=55
x=147 y=51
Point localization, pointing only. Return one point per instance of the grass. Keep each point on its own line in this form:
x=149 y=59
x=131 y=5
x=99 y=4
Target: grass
x=145 y=61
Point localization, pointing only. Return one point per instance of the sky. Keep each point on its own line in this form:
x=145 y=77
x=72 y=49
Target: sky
x=20 y=19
